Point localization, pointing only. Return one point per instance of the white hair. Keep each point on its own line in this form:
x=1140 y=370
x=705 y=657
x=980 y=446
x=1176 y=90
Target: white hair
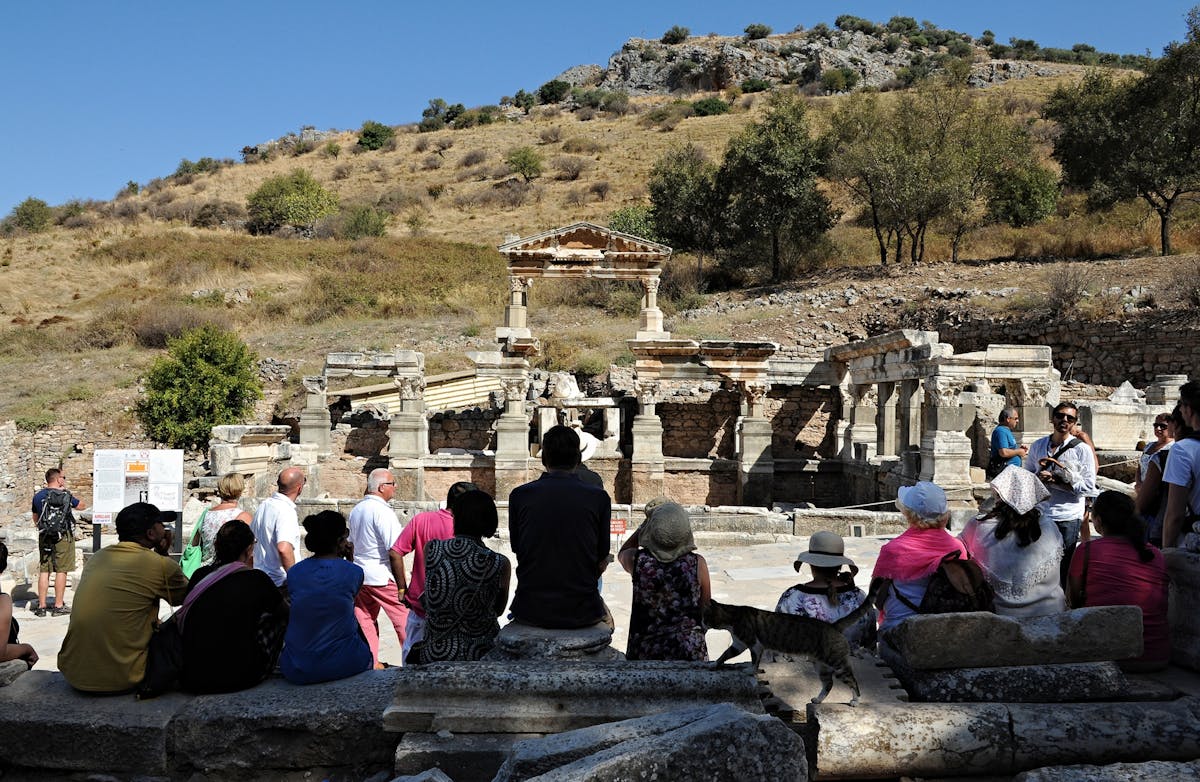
x=378 y=477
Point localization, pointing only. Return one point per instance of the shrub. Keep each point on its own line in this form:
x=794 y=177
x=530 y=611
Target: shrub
x=373 y=135
x=1183 y=283
x=525 y=162
x=524 y=101
x=615 y=102
x=1024 y=197
x=342 y=171
x=600 y=189
x=668 y=116
x=431 y=162
x=756 y=31
x=206 y=379
x=472 y=158
x=569 y=167
x=33 y=215
x=430 y=124
x=707 y=107
x=550 y=135
x=676 y=34
x=1067 y=284
x=839 y=79
x=637 y=220
x=217 y=213
x=331 y=149
x=160 y=322
x=362 y=221
x=581 y=145
x=553 y=91
x=295 y=199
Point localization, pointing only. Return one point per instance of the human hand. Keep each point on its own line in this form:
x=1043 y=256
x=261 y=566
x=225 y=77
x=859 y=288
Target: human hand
x=163 y=546
x=345 y=549
x=30 y=657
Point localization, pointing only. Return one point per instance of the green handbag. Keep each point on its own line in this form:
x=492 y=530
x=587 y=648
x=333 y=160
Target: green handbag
x=189 y=562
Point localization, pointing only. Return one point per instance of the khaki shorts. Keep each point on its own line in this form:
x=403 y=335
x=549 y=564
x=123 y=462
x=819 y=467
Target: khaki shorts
x=64 y=556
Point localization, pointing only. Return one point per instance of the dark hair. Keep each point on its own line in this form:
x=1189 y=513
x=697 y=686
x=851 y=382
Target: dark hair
x=3 y=556
x=837 y=579
x=232 y=539
x=1189 y=394
x=458 y=489
x=1119 y=519
x=1026 y=526
x=325 y=530
x=1182 y=430
x=560 y=448
x=52 y=473
x=134 y=521
x=475 y=515
x=1062 y=405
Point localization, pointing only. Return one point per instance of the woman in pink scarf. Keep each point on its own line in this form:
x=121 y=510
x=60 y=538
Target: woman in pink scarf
x=909 y=560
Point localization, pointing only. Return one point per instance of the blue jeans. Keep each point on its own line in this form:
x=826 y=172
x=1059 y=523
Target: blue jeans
x=1070 y=535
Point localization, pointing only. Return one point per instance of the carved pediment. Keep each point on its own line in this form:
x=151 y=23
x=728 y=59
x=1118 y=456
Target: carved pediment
x=584 y=245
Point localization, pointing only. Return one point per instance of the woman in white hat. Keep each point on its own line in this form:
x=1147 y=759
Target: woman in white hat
x=1019 y=551
x=831 y=594
x=670 y=588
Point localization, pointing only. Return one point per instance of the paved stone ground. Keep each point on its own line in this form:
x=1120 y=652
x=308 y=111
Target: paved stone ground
x=750 y=574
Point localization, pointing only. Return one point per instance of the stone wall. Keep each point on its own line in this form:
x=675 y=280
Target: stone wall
x=468 y=429
x=1105 y=352
x=698 y=422
x=802 y=418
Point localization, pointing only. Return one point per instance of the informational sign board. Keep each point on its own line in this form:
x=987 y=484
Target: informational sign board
x=123 y=477
x=616 y=526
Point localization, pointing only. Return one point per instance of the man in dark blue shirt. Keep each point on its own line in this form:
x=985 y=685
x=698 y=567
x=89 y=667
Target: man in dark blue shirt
x=57 y=556
x=559 y=529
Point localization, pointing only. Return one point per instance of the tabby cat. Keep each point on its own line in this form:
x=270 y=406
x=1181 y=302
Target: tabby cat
x=821 y=642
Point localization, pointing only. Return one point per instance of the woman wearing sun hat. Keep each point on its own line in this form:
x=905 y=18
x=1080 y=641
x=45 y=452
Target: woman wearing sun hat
x=909 y=560
x=831 y=594
x=670 y=588
x=1019 y=551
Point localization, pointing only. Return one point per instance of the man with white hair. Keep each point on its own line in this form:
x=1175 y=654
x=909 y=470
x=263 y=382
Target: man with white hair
x=374 y=529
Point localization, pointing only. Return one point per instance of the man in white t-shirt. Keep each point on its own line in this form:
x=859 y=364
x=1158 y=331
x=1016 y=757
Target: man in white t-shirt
x=1183 y=471
x=276 y=528
x=374 y=529
x=1067 y=467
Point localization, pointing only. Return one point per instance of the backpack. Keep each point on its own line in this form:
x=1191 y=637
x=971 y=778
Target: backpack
x=956 y=586
x=56 y=518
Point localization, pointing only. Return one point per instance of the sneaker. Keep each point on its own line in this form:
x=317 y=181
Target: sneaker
x=63 y=611
x=39 y=611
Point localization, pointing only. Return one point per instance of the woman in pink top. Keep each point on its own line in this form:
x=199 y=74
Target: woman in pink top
x=1122 y=569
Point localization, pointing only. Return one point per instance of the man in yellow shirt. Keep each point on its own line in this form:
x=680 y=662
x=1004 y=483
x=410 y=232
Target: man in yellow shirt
x=116 y=604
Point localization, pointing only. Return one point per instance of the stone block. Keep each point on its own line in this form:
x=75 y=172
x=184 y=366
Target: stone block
x=983 y=640
x=1152 y=771
x=552 y=696
x=519 y=641
x=911 y=740
x=429 y=775
x=1184 y=569
x=719 y=742
x=117 y=734
x=274 y=726
x=10 y=670
x=462 y=757
x=1066 y=683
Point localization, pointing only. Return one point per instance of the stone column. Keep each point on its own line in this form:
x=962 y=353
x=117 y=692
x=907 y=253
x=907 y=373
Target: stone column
x=1165 y=390
x=862 y=430
x=1030 y=398
x=885 y=422
x=650 y=320
x=314 y=418
x=756 y=465
x=516 y=323
x=648 y=466
x=945 y=448
x=909 y=413
x=512 y=436
x=408 y=438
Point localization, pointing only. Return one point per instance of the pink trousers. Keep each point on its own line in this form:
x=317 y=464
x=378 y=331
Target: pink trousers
x=366 y=610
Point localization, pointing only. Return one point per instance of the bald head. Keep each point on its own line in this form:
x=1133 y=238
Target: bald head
x=291 y=482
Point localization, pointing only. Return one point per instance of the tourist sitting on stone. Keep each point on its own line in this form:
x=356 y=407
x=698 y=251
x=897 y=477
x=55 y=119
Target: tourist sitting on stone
x=908 y=561
x=831 y=593
x=116 y=604
x=466 y=586
x=1018 y=551
x=229 y=490
x=1121 y=569
x=1150 y=493
x=670 y=588
x=10 y=648
x=233 y=619
x=324 y=641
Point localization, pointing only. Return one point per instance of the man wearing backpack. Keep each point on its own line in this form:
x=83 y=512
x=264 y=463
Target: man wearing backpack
x=1067 y=467
x=55 y=523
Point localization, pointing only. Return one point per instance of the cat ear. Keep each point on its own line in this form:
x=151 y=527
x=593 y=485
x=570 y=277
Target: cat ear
x=796 y=565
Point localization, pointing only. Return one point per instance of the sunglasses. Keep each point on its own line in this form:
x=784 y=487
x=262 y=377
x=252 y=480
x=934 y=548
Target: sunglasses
x=1064 y=417
x=1160 y=426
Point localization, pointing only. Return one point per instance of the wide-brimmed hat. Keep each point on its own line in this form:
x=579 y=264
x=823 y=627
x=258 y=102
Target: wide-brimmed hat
x=927 y=500
x=825 y=549
x=1019 y=489
x=668 y=533
x=587 y=445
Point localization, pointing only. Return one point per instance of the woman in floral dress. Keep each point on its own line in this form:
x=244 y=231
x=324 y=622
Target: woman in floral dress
x=670 y=588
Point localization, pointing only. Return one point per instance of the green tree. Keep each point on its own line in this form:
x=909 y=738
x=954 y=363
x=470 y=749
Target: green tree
x=769 y=177
x=294 y=199
x=207 y=379
x=676 y=34
x=524 y=161
x=33 y=215
x=553 y=91
x=363 y=220
x=524 y=101
x=686 y=204
x=1135 y=139
x=1023 y=196
x=373 y=135
x=756 y=31
x=636 y=220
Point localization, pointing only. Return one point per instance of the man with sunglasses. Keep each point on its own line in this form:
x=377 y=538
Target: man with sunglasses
x=374 y=528
x=1067 y=467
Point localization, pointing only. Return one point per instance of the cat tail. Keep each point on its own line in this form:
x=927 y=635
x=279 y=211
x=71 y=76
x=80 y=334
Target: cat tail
x=848 y=621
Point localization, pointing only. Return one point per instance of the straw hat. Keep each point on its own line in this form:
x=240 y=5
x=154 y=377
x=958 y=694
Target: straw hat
x=669 y=533
x=1019 y=489
x=825 y=549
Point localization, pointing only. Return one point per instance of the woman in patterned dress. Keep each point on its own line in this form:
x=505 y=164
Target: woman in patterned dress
x=670 y=588
x=466 y=587
x=831 y=594
x=229 y=489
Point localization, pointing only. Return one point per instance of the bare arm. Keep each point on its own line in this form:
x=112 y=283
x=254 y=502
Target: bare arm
x=1148 y=491
x=627 y=555
x=1177 y=497
x=12 y=651
x=502 y=595
x=1008 y=453
x=396 y=561
x=1075 y=591
x=705 y=584
x=287 y=555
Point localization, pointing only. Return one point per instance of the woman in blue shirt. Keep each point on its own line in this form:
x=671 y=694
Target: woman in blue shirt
x=324 y=641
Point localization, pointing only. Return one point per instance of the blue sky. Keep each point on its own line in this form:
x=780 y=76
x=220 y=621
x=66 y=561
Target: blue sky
x=98 y=92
